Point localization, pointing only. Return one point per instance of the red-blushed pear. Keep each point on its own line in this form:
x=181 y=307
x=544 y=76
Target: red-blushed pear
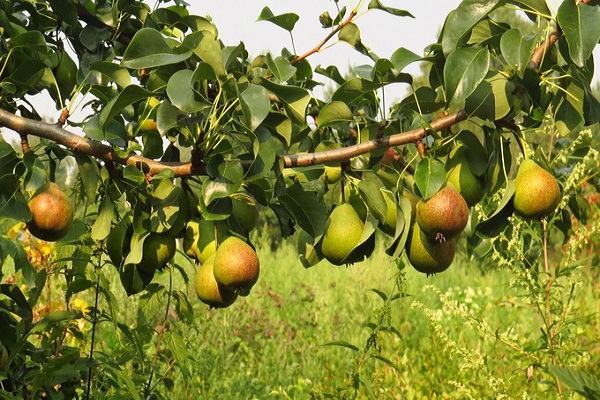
x=444 y=216
x=342 y=234
x=536 y=191
x=236 y=266
x=51 y=213
x=207 y=288
x=427 y=255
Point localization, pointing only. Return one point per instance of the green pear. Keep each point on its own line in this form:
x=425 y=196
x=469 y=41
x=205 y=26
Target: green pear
x=459 y=175
x=199 y=241
x=245 y=211
x=444 y=216
x=427 y=255
x=389 y=224
x=158 y=250
x=207 y=288
x=236 y=265
x=342 y=234
x=536 y=191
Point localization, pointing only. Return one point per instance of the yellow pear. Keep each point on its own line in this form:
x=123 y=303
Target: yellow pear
x=536 y=191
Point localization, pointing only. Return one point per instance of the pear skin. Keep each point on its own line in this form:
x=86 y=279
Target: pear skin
x=427 y=255
x=536 y=191
x=342 y=234
x=444 y=216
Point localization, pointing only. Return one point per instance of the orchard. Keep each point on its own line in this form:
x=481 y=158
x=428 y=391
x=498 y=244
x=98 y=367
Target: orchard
x=172 y=155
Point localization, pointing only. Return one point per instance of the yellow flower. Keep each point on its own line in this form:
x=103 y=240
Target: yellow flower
x=81 y=305
x=15 y=230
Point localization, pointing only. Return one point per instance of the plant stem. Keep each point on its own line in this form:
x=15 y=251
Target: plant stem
x=93 y=339
x=548 y=311
x=161 y=333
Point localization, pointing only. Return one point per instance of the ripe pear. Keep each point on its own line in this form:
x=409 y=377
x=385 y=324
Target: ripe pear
x=536 y=191
x=158 y=250
x=51 y=212
x=444 y=216
x=236 y=265
x=207 y=288
x=427 y=255
x=459 y=175
x=342 y=234
x=332 y=174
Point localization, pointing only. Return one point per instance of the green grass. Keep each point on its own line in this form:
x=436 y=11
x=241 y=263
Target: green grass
x=272 y=344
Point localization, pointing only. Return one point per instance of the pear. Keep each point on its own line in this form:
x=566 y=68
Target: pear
x=389 y=224
x=236 y=265
x=459 y=175
x=342 y=234
x=207 y=288
x=51 y=212
x=427 y=255
x=244 y=212
x=158 y=250
x=444 y=216
x=199 y=241
x=536 y=191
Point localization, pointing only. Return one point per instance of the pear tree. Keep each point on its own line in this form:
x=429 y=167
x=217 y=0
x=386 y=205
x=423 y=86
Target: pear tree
x=173 y=138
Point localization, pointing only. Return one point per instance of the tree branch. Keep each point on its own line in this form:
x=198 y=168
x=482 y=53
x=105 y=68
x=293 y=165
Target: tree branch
x=101 y=151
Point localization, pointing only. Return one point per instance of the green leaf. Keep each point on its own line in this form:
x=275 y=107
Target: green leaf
x=180 y=90
x=403 y=222
x=295 y=100
x=18 y=303
x=569 y=109
x=532 y=6
x=206 y=46
x=585 y=384
x=342 y=343
x=225 y=178
x=90 y=175
x=430 y=175
x=12 y=201
x=35 y=171
x=265 y=154
x=403 y=57
x=102 y=224
x=350 y=33
x=580 y=24
x=459 y=22
x=495 y=223
x=28 y=39
x=309 y=212
x=491 y=98
x=149 y=48
x=465 y=68
x=394 y=11
x=128 y=96
x=370 y=192
x=255 y=104
x=280 y=68
x=517 y=49
x=335 y=113
x=286 y=21
x=117 y=74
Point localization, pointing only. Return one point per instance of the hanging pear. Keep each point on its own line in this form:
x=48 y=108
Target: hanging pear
x=536 y=191
x=444 y=216
x=342 y=235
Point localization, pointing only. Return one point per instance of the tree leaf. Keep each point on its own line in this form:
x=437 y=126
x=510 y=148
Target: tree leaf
x=517 y=49
x=370 y=192
x=403 y=57
x=430 y=175
x=128 y=96
x=12 y=201
x=490 y=100
x=206 y=46
x=459 y=22
x=309 y=212
x=225 y=178
x=295 y=100
x=102 y=224
x=350 y=33
x=394 y=11
x=255 y=104
x=465 y=68
x=149 y=48
x=585 y=384
x=180 y=90
x=342 y=343
x=280 y=67
x=335 y=113
x=286 y=21
x=580 y=24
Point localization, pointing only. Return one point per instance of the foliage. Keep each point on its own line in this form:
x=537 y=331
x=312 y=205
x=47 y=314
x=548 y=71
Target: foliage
x=175 y=125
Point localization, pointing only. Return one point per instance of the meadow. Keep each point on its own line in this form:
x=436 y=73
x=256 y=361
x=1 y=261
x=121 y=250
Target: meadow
x=371 y=330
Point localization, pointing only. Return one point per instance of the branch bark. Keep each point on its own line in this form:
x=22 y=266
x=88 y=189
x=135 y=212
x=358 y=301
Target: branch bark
x=101 y=151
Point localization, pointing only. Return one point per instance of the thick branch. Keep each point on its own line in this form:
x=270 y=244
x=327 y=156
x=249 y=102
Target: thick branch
x=25 y=126
x=346 y=153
